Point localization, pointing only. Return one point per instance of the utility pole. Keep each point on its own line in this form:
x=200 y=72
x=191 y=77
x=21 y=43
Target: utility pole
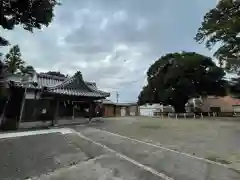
x=117 y=95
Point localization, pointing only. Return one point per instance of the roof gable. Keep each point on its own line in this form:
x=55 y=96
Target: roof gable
x=74 y=85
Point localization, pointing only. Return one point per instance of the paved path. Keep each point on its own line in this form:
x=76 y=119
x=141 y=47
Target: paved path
x=88 y=153
x=65 y=155
x=173 y=164
x=31 y=155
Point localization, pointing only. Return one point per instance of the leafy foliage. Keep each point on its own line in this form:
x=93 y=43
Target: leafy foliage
x=28 y=13
x=2 y=80
x=221 y=27
x=234 y=87
x=27 y=70
x=3 y=42
x=13 y=60
x=3 y=90
x=177 y=77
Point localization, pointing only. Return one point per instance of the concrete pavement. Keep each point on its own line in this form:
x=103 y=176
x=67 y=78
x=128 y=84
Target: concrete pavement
x=105 y=167
x=171 y=163
x=90 y=154
x=49 y=154
x=27 y=156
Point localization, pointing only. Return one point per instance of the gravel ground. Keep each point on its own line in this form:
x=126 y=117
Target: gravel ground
x=217 y=140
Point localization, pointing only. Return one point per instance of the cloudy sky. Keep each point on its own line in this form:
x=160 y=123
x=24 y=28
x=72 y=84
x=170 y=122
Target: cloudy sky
x=113 y=42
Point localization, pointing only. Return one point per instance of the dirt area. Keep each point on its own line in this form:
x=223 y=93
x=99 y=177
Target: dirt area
x=216 y=140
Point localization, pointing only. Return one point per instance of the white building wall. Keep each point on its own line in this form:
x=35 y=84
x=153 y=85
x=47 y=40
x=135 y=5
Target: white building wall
x=148 y=110
x=31 y=95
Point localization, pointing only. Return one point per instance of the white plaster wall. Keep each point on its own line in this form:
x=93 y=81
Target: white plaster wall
x=31 y=95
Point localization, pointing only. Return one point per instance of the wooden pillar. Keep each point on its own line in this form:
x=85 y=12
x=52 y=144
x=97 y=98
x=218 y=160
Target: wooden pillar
x=90 y=111
x=56 y=113
x=73 y=114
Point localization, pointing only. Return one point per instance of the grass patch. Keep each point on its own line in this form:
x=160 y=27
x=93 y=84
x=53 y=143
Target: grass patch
x=218 y=160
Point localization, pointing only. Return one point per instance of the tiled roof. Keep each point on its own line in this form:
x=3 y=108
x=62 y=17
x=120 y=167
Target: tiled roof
x=74 y=85
x=77 y=87
x=45 y=80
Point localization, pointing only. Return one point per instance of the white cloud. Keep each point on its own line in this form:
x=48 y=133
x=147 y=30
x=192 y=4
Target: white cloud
x=112 y=42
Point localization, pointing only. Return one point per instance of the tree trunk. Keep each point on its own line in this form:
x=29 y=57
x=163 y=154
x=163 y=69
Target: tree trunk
x=179 y=107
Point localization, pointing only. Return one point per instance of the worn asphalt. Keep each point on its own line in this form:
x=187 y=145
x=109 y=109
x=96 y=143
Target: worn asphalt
x=174 y=164
x=64 y=157
x=88 y=153
x=24 y=157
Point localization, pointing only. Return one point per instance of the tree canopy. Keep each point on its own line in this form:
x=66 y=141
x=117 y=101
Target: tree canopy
x=2 y=80
x=234 y=87
x=13 y=60
x=220 y=28
x=28 y=13
x=15 y=64
x=177 y=77
x=27 y=70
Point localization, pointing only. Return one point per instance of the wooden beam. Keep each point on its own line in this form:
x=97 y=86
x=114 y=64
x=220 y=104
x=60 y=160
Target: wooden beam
x=90 y=111
x=56 y=112
x=73 y=115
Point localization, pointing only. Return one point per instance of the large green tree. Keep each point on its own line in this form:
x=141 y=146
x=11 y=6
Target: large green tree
x=176 y=77
x=3 y=91
x=13 y=60
x=234 y=87
x=28 y=13
x=221 y=29
x=2 y=79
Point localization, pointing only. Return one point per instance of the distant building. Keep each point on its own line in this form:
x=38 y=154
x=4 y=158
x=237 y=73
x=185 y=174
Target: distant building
x=154 y=109
x=221 y=104
x=112 y=109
